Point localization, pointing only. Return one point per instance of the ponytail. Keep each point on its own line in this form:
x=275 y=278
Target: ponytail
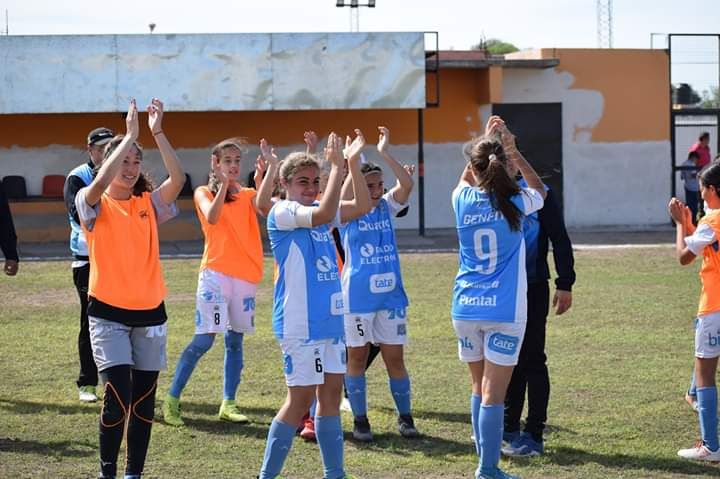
x=489 y=162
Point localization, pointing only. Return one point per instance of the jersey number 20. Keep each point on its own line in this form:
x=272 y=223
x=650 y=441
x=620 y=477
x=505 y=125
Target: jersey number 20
x=485 y=242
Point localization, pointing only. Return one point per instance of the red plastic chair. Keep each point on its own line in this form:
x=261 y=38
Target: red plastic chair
x=52 y=186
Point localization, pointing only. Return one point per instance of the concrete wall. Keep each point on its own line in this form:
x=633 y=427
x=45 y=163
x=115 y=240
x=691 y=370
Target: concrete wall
x=616 y=148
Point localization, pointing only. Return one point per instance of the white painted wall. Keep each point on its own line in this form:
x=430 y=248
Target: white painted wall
x=604 y=183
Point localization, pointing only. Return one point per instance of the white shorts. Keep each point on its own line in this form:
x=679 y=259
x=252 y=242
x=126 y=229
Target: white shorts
x=387 y=326
x=223 y=303
x=499 y=343
x=707 y=336
x=307 y=361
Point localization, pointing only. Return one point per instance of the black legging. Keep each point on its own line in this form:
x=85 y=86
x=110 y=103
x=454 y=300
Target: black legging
x=129 y=399
x=531 y=373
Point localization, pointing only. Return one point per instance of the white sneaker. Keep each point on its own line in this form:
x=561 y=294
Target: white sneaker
x=345 y=405
x=700 y=453
x=87 y=394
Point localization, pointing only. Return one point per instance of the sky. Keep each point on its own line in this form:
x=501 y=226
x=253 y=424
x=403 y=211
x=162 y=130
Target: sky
x=460 y=23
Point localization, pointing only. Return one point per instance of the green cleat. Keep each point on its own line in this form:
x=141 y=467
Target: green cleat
x=171 y=411
x=230 y=412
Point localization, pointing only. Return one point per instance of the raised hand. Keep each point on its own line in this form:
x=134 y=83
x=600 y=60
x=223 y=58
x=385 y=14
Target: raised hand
x=260 y=167
x=217 y=170
x=268 y=153
x=676 y=208
x=353 y=150
x=311 y=140
x=334 y=150
x=383 y=140
x=155 y=113
x=410 y=169
x=131 y=120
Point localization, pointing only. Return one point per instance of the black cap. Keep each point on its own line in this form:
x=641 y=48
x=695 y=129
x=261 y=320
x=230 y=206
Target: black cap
x=100 y=136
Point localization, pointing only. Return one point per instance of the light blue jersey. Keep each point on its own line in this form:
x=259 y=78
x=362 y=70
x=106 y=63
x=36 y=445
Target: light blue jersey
x=308 y=298
x=78 y=243
x=371 y=278
x=491 y=284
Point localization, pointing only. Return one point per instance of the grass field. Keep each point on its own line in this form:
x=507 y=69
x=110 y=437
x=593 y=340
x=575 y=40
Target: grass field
x=620 y=361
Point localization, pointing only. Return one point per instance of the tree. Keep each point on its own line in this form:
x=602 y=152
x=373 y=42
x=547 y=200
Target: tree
x=495 y=46
x=684 y=94
x=711 y=98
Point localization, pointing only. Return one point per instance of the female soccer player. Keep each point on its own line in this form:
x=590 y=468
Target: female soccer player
x=307 y=311
x=119 y=212
x=689 y=243
x=373 y=294
x=230 y=270
x=488 y=307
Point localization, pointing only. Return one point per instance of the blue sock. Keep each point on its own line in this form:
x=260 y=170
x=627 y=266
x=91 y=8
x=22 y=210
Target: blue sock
x=357 y=394
x=491 y=429
x=707 y=410
x=233 y=363
x=330 y=439
x=313 y=408
x=475 y=403
x=199 y=345
x=400 y=389
x=279 y=441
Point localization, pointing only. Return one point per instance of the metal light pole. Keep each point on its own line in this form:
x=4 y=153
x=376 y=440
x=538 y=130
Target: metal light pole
x=355 y=11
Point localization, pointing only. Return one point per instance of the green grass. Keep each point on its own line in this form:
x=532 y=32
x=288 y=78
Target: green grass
x=620 y=361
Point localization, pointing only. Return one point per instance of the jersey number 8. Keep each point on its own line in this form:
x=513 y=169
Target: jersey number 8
x=485 y=242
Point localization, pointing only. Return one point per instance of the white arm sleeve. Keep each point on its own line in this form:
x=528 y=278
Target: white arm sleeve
x=704 y=236
x=86 y=213
x=531 y=200
x=163 y=212
x=290 y=215
x=393 y=205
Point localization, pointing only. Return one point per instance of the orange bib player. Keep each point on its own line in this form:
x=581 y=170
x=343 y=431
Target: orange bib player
x=119 y=212
x=230 y=270
x=691 y=242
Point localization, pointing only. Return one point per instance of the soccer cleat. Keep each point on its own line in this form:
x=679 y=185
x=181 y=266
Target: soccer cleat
x=494 y=473
x=406 y=426
x=524 y=446
x=510 y=436
x=171 y=411
x=361 y=430
x=87 y=394
x=231 y=413
x=700 y=452
x=308 y=431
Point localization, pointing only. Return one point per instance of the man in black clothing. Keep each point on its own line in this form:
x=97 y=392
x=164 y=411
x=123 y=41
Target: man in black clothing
x=79 y=178
x=8 y=238
x=531 y=373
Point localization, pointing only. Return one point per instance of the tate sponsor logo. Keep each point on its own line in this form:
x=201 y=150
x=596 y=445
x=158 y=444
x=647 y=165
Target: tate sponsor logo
x=336 y=304
x=503 y=344
x=382 y=283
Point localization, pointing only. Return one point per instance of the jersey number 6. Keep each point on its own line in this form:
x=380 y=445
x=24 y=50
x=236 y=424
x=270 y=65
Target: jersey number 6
x=485 y=242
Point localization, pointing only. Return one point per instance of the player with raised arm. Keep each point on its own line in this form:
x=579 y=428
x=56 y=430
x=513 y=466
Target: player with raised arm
x=691 y=242
x=307 y=310
x=120 y=212
x=374 y=296
x=230 y=270
x=489 y=297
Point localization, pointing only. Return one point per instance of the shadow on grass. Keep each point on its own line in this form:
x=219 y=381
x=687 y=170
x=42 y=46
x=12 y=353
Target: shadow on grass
x=569 y=456
x=51 y=448
x=429 y=446
x=28 y=407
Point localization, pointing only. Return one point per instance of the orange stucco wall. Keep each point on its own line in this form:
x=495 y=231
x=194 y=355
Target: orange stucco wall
x=634 y=85
x=461 y=90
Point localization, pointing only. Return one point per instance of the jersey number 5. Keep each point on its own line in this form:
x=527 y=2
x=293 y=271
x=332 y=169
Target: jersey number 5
x=485 y=242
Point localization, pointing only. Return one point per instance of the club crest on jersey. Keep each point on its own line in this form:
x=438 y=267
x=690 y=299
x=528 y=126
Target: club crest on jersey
x=503 y=344
x=367 y=250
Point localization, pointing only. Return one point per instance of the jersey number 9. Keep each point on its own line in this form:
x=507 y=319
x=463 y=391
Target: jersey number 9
x=485 y=242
